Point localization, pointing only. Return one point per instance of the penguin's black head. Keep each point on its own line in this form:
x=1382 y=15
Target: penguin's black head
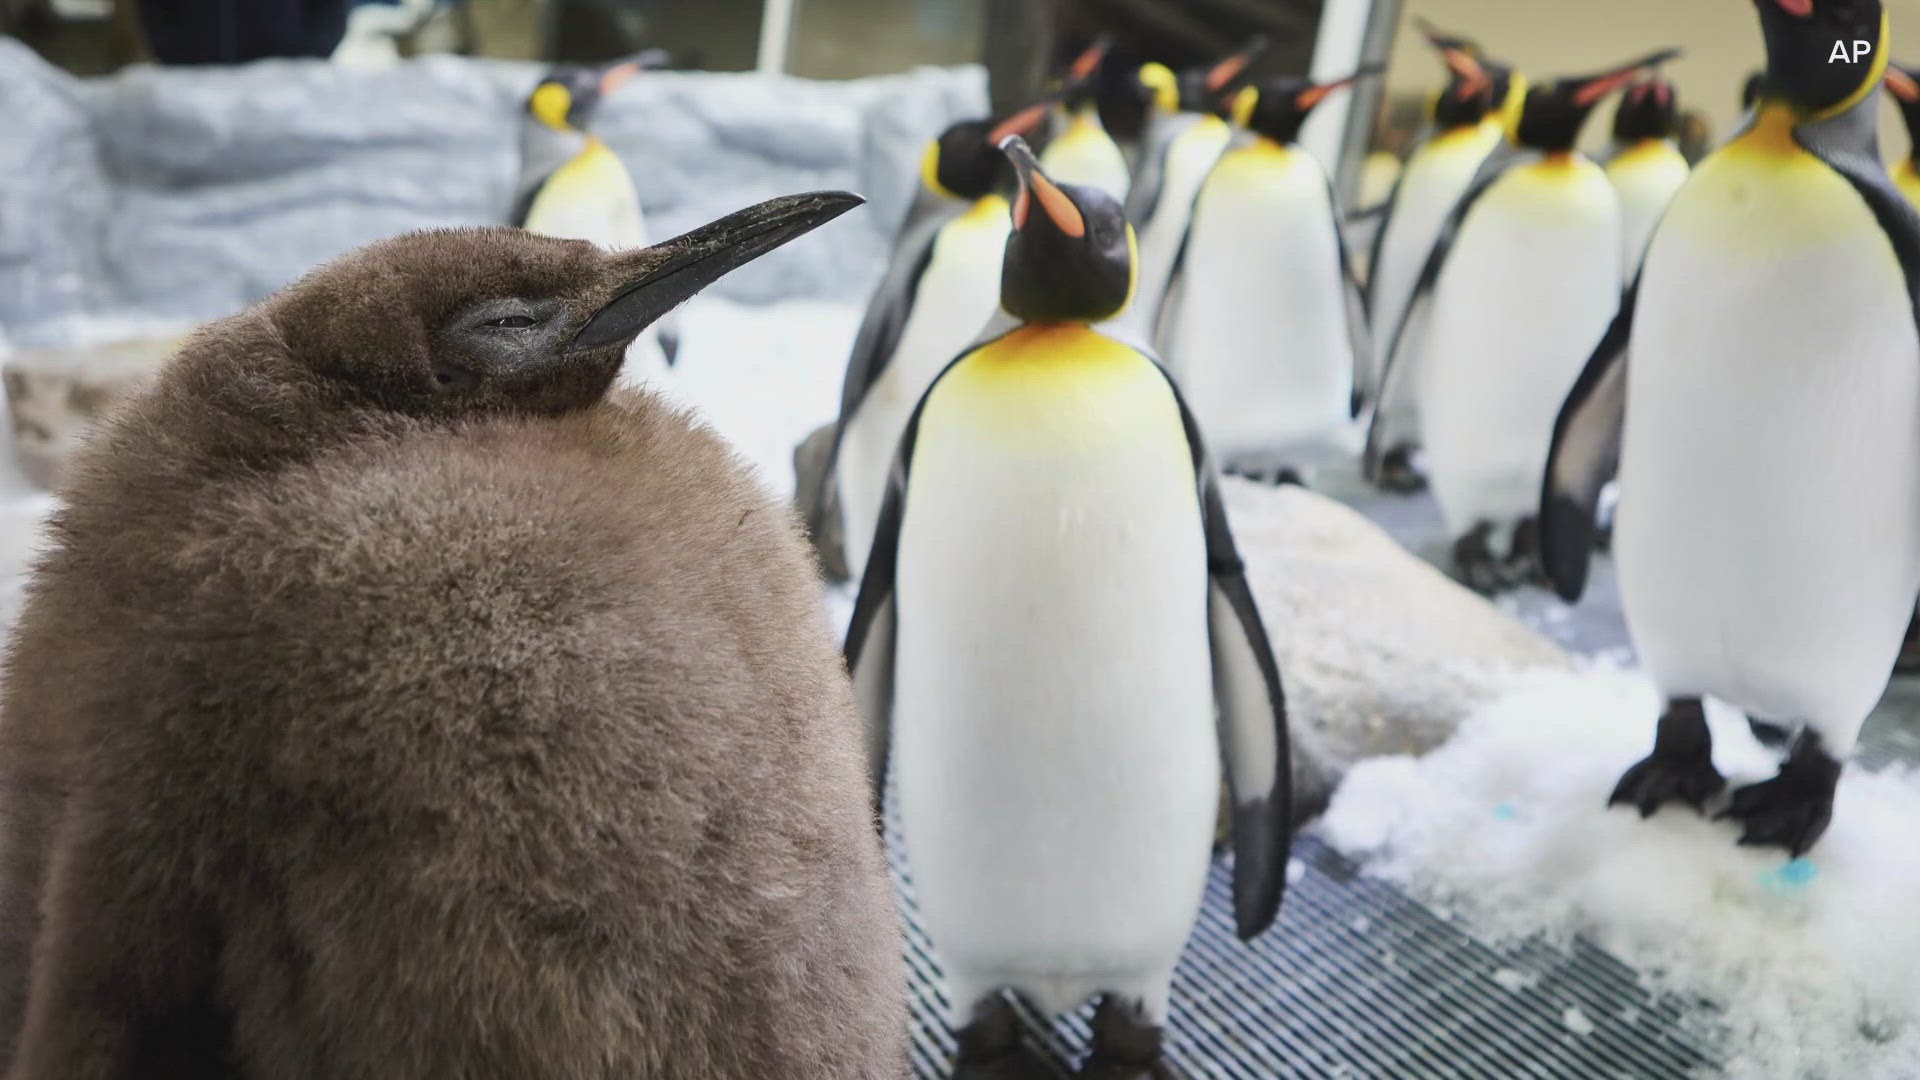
x=1469 y=93
x=1648 y=110
x=570 y=94
x=1070 y=257
x=1823 y=56
x=1904 y=84
x=965 y=162
x=457 y=322
x=1277 y=107
x=1554 y=112
x=1199 y=90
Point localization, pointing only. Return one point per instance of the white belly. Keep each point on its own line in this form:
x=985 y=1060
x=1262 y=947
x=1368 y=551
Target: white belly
x=1261 y=342
x=1646 y=179
x=1435 y=180
x=956 y=295
x=1190 y=156
x=1054 y=741
x=1530 y=286
x=1085 y=154
x=1769 y=526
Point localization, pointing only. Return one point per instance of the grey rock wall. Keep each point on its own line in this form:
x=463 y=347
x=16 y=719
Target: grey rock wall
x=173 y=194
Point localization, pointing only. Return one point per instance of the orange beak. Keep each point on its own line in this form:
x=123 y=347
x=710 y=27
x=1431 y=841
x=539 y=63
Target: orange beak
x=1087 y=62
x=1600 y=86
x=1229 y=69
x=1903 y=86
x=1314 y=95
x=1799 y=9
x=1021 y=122
x=1035 y=187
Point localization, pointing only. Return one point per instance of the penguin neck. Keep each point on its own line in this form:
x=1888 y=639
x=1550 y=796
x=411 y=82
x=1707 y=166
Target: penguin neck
x=1771 y=132
x=544 y=149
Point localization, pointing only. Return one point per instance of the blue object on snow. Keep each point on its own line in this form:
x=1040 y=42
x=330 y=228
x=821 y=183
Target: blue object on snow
x=1505 y=812
x=1791 y=878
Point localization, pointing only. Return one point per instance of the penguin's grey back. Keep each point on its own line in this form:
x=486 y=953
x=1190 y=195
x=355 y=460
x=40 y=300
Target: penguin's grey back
x=511 y=748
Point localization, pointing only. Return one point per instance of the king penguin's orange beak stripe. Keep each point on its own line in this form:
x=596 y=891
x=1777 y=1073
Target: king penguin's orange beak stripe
x=1473 y=77
x=1086 y=62
x=1228 y=70
x=617 y=76
x=1019 y=123
x=1602 y=86
x=1799 y=9
x=1060 y=209
x=1903 y=85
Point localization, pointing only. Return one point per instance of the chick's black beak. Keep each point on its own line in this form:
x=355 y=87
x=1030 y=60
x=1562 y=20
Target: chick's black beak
x=678 y=268
x=1036 y=188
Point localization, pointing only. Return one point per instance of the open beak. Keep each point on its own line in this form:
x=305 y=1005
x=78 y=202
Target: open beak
x=1314 y=95
x=1902 y=85
x=1222 y=74
x=1036 y=188
x=1599 y=86
x=671 y=272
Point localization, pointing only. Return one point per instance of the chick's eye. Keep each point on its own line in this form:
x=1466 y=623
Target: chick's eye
x=512 y=322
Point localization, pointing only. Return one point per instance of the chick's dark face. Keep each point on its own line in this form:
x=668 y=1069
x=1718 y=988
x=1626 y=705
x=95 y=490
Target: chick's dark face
x=1822 y=54
x=472 y=321
x=456 y=322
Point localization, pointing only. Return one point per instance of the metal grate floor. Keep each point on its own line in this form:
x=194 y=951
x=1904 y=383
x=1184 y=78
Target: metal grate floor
x=1357 y=980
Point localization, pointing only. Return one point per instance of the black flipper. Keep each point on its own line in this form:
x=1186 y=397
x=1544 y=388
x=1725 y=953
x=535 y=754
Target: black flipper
x=880 y=330
x=1359 y=308
x=870 y=633
x=1584 y=456
x=1503 y=158
x=1251 y=707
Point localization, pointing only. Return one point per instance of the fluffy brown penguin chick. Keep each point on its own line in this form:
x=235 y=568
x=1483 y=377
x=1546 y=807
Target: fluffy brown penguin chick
x=392 y=703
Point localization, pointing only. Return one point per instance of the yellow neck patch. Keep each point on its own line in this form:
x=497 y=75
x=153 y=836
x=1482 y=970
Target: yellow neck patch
x=930 y=171
x=550 y=104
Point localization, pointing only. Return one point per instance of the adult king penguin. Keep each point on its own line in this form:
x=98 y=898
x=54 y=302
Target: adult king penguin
x=1775 y=363
x=1264 y=322
x=1185 y=135
x=1080 y=151
x=1518 y=288
x=573 y=186
x=1052 y=619
x=395 y=701
x=1904 y=84
x=1647 y=167
x=939 y=293
x=1466 y=130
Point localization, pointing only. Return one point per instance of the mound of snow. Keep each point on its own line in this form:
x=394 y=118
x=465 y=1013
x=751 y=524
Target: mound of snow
x=1812 y=967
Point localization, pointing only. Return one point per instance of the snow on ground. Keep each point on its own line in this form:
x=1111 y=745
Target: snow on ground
x=1814 y=964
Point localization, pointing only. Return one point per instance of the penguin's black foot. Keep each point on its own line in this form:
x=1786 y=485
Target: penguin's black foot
x=1791 y=810
x=1126 y=1045
x=990 y=1047
x=1680 y=769
x=1476 y=565
x=1524 y=565
x=1398 y=474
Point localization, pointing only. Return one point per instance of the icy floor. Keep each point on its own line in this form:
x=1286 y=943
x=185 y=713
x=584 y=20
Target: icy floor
x=1810 y=962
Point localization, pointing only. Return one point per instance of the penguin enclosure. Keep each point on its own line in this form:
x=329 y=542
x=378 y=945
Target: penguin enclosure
x=991 y=539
